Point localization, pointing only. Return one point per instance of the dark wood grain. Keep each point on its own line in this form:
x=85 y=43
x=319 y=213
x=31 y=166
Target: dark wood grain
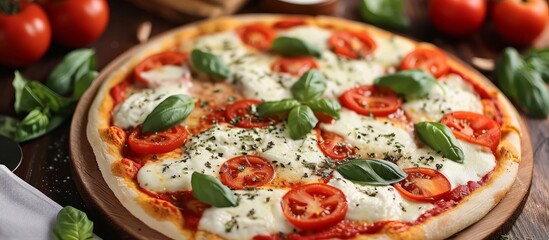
x=46 y=160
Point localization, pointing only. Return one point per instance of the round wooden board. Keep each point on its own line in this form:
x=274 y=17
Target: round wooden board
x=97 y=195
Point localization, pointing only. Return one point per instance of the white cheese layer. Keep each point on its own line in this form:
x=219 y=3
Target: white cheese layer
x=258 y=213
x=315 y=36
x=167 y=75
x=226 y=45
x=457 y=95
x=391 y=51
x=137 y=106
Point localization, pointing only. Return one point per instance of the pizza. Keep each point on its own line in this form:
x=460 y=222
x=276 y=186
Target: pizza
x=298 y=127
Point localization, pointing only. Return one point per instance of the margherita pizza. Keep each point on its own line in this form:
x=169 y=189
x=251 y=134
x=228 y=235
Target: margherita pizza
x=274 y=127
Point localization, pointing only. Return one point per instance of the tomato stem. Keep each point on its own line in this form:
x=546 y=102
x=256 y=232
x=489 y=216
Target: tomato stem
x=10 y=7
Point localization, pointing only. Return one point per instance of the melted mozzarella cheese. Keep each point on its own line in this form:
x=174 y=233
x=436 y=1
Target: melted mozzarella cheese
x=167 y=75
x=258 y=213
x=391 y=51
x=226 y=45
x=453 y=95
x=137 y=106
x=374 y=138
x=377 y=203
x=315 y=36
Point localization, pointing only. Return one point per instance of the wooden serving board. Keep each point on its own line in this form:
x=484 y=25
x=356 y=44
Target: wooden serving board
x=97 y=195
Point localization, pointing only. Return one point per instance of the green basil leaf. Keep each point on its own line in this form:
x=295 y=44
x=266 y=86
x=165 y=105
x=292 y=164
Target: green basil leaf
x=327 y=106
x=209 y=64
x=71 y=68
x=8 y=126
x=170 y=112
x=301 y=121
x=509 y=63
x=276 y=107
x=208 y=189
x=385 y=13
x=409 y=82
x=371 y=172
x=83 y=83
x=538 y=59
x=32 y=94
x=72 y=224
x=36 y=124
x=440 y=138
x=310 y=85
x=532 y=94
x=295 y=47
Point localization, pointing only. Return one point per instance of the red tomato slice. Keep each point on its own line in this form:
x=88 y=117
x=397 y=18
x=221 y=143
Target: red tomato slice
x=368 y=100
x=156 y=61
x=427 y=59
x=246 y=171
x=333 y=145
x=240 y=115
x=258 y=36
x=289 y=23
x=152 y=143
x=473 y=127
x=423 y=184
x=118 y=92
x=314 y=206
x=294 y=66
x=352 y=45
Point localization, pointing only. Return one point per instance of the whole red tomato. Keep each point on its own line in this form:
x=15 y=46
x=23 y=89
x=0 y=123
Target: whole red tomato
x=457 y=18
x=520 y=21
x=24 y=36
x=77 y=23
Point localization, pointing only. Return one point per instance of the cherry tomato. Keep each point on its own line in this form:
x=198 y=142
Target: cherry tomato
x=333 y=145
x=294 y=66
x=457 y=18
x=258 y=36
x=156 y=61
x=314 y=206
x=352 y=45
x=246 y=171
x=520 y=21
x=153 y=143
x=241 y=115
x=324 y=118
x=368 y=100
x=77 y=23
x=24 y=36
x=118 y=92
x=427 y=59
x=289 y=23
x=473 y=127
x=423 y=184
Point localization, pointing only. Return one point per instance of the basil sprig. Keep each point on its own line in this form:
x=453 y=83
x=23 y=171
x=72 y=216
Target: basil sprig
x=311 y=85
x=168 y=113
x=538 y=59
x=208 y=189
x=328 y=106
x=385 y=13
x=71 y=69
x=277 y=107
x=371 y=172
x=414 y=83
x=295 y=47
x=440 y=138
x=209 y=64
x=301 y=121
x=72 y=224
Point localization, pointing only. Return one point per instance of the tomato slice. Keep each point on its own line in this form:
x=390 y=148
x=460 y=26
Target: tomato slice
x=294 y=66
x=258 y=36
x=423 y=184
x=473 y=127
x=118 y=92
x=427 y=59
x=333 y=145
x=246 y=171
x=368 y=100
x=352 y=44
x=153 y=143
x=314 y=206
x=241 y=115
x=289 y=23
x=156 y=61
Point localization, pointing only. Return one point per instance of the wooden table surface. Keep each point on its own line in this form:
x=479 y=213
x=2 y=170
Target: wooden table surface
x=46 y=162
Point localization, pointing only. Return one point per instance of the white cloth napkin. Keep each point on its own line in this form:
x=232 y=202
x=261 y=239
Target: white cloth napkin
x=25 y=212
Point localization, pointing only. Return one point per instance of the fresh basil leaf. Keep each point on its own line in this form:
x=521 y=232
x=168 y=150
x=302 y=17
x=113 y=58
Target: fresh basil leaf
x=371 y=172
x=301 y=121
x=170 y=112
x=538 y=59
x=208 y=189
x=440 y=138
x=83 y=83
x=509 y=64
x=72 y=224
x=276 y=107
x=32 y=94
x=532 y=94
x=71 y=68
x=327 y=106
x=295 y=47
x=36 y=124
x=209 y=64
x=8 y=126
x=408 y=82
x=385 y=13
x=310 y=85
